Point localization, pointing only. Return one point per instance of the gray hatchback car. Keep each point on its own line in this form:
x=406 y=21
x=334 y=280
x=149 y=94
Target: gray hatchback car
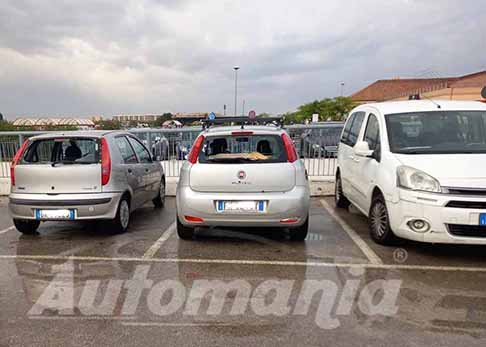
x=78 y=176
x=243 y=177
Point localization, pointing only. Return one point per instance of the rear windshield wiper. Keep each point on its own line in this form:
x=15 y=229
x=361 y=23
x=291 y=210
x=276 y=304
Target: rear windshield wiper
x=70 y=162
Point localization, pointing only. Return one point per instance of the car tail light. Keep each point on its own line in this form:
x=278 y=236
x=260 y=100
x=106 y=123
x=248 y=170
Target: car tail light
x=289 y=220
x=192 y=158
x=193 y=219
x=289 y=148
x=242 y=133
x=16 y=160
x=105 y=162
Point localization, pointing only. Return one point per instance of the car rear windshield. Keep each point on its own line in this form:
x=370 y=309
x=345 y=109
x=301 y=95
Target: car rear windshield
x=233 y=149
x=63 y=151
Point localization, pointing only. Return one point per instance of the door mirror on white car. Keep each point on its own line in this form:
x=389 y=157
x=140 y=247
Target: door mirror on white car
x=362 y=149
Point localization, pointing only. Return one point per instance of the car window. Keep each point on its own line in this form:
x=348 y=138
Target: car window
x=243 y=149
x=63 y=150
x=142 y=153
x=355 y=129
x=347 y=128
x=126 y=150
x=372 y=134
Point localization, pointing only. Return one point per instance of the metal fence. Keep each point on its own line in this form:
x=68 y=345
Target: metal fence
x=316 y=145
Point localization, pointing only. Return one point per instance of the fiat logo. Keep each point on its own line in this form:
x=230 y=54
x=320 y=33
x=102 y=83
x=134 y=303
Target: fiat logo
x=241 y=175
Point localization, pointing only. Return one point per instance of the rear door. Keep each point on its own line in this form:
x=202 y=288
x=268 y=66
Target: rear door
x=130 y=167
x=353 y=160
x=61 y=165
x=149 y=171
x=243 y=162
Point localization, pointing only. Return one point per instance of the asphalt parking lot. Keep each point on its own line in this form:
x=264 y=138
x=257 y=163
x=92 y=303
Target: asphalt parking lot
x=440 y=298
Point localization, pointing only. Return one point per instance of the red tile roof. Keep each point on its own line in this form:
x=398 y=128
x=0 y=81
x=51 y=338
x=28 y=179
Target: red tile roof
x=394 y=88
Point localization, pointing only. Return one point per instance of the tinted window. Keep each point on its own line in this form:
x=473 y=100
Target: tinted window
x=63 y=150
x=355 y=128
x=372 y=135
x=142 y=153
x=243 y=149
x=126 y=150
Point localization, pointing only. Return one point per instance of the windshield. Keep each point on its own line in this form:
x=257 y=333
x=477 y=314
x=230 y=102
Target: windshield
x=440 y=132
x=243 y=149
x=62 y=151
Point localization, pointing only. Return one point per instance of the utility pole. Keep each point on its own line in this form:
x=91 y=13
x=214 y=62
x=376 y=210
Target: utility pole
x=236 y=68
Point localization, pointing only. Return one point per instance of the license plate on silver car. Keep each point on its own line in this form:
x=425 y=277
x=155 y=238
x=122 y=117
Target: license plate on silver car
x=54 y=214
x=240 y=206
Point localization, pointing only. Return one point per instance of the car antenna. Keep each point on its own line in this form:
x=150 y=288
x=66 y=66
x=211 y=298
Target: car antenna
x=418 y=97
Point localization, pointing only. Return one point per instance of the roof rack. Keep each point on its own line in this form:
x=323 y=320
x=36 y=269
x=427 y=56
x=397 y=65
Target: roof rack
x=279 y=121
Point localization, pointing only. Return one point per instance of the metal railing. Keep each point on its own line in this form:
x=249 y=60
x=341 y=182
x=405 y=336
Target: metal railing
x=316 y=145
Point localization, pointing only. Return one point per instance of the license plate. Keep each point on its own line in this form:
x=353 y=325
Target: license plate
x=54 y=214
x=482 y=219
x=241 y=206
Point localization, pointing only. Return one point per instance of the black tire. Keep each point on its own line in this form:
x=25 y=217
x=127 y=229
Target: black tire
x=120 y=224
x=28 y=227
x=300 y=233
x=339 y=198
x=379 y=222
x=159 y=201
x=184 y=232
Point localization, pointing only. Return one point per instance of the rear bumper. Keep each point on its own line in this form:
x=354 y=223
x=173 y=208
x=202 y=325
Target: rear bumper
x=86 y=206
x=279 y=206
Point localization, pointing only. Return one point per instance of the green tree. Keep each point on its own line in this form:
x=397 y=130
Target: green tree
x=107 y=124
x=327 y=109
x=160 y=121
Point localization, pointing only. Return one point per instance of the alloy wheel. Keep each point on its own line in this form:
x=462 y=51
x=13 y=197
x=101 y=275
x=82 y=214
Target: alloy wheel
x=379 y=219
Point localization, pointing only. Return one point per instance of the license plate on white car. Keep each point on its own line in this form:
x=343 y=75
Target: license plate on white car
x=54 y=214
x=241 y=206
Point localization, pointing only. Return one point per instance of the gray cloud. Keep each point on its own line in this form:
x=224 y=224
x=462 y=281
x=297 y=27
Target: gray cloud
x=106 y=57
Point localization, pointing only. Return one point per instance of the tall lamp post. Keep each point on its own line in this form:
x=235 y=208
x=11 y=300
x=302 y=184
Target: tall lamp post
x=342 y=88
x=236 y=68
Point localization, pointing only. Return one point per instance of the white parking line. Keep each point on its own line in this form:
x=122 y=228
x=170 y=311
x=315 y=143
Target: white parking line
x=250 y=262
x=6 y=230
x=158 y=244
x=368 y=252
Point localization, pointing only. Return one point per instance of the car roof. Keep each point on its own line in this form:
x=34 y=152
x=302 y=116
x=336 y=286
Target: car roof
x=227 y=130
x=392 y=107
x=87 y=133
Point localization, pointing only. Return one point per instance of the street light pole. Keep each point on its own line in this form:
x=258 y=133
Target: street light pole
x=342 y=89
x=236 y=68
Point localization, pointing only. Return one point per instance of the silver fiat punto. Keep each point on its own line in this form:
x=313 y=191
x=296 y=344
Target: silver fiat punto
x=246 y=176
x=89 y=175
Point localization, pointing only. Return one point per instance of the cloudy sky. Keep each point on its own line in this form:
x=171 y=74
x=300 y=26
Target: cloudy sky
x=71 y=57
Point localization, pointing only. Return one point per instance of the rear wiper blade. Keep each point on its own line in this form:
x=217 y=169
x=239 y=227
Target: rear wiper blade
x=70 y=162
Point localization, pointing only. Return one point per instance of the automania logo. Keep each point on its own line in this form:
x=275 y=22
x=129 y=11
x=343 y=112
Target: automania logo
x=122 y=298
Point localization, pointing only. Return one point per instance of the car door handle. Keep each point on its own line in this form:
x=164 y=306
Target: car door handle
x=351 y=157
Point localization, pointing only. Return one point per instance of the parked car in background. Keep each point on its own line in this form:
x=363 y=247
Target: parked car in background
x=90 y=175
x=416 y=170
x=249 y=177
x=321 y=142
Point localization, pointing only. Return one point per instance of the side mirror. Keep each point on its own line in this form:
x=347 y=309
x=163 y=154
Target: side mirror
x=362 y=149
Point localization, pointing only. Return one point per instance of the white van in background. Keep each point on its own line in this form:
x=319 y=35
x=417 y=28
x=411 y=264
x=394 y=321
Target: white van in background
x=417 y=170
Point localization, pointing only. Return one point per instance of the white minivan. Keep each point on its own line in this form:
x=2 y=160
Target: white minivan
x=417 y=170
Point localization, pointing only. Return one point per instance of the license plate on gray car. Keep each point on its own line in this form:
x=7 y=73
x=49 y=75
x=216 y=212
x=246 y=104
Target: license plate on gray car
x=240 y=206
x=54 y=214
